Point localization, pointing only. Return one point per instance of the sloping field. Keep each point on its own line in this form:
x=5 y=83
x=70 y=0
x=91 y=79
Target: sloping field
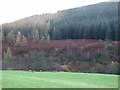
x=25 y=79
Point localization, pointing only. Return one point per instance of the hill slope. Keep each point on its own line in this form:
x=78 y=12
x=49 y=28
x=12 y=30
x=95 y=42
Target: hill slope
x=98 y=21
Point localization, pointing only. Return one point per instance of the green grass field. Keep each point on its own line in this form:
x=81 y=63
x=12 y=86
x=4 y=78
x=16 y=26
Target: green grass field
x=25 y=79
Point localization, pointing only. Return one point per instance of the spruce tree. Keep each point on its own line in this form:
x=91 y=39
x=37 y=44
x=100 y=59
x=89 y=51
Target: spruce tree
x=10 y=38
x=35 y=35
x=24 y=41
x=18 y=39
x=18 y=42
x=8 y=54
x=1 y=36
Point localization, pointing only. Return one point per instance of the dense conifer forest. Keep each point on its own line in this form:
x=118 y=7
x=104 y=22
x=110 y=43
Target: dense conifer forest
x=98 y=21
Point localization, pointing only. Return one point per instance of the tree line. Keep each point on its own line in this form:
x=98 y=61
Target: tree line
x=20 y=40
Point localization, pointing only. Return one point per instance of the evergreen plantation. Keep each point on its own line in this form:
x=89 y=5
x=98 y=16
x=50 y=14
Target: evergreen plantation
x=98 y=21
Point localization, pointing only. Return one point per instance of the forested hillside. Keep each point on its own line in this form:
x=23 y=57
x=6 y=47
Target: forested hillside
x=98 y=21
x=92 y=22
x=83 y=39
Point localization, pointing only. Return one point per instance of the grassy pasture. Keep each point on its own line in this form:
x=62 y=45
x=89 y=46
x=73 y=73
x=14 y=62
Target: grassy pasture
x=25 y=79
